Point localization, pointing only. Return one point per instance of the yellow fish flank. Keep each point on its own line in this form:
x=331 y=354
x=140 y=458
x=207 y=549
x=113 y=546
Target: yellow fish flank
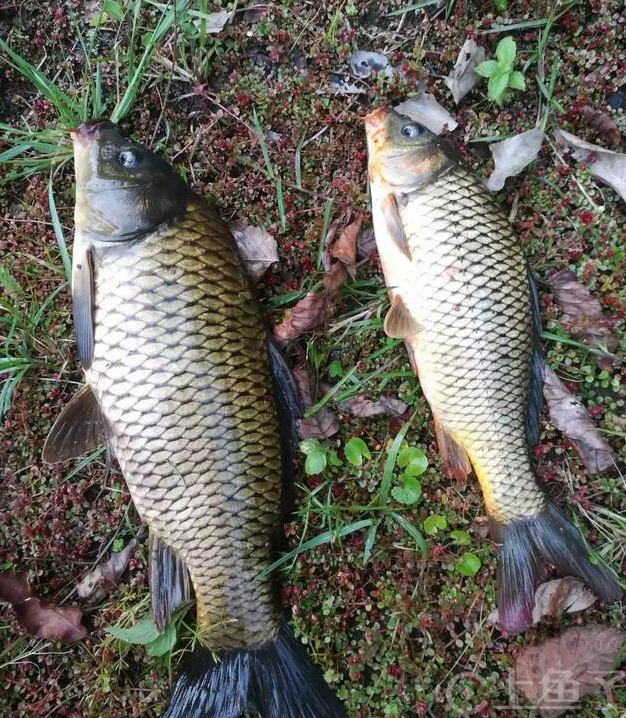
x=462 y=299
x=179 y=383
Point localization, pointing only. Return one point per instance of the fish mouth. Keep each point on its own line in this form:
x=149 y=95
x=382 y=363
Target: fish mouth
x=88 y=132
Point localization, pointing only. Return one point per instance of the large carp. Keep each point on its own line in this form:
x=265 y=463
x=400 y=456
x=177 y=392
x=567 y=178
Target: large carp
x=464 y=303
x=174 y=348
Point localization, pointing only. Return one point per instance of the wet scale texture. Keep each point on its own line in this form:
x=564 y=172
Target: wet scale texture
x=180 y=369
x=473 y=353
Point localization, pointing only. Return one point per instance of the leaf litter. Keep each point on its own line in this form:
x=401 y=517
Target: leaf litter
x=323 y=423
x=257 y=248
x=513 y=155
x=560 y=671
x=571 y=418
x=463 y=77
x=43 y=619
x=425 y=109
x=100 y=582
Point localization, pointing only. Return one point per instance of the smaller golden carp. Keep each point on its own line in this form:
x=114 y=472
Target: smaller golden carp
x=464 y=302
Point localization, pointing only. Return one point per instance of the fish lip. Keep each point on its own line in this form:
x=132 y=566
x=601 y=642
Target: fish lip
x=376 y=118
x=88 y=131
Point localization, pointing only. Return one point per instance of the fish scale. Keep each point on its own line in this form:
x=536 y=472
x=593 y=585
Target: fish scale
x=186 y=396
x=471 y=301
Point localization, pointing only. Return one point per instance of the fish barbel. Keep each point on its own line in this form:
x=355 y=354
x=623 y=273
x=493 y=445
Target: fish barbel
x=464 y=303
x=174 y=348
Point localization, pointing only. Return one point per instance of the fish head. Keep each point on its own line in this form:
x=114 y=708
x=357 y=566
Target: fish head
x=122 y=188
x=403 y=153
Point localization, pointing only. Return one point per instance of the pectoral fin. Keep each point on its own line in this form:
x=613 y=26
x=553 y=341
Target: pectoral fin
x=455 y=460
x=395 y=229
x=399 y=322
x=79 y=429
x=82 y=305
x=170 y=586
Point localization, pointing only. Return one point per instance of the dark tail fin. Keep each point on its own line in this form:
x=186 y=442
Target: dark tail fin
x=530 y=543
x=278 y=680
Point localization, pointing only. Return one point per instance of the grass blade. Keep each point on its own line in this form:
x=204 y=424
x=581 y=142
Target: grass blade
x=58 y=233
x=391 y=462
x=412 y=531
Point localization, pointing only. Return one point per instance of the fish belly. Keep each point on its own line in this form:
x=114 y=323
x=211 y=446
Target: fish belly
x=180 y=370
x=469 y=293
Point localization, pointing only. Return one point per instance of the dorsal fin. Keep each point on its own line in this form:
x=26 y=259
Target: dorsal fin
x=535 y=387
x=82 y=303
x=169 y=582
x=79 y=429
x=399 y=322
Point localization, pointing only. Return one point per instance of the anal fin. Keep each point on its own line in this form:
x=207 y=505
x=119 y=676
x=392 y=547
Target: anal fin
x=170 y=586
x=79 y=429
x=454 y=457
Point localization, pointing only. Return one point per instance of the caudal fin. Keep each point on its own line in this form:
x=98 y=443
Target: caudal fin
x=527 y=545
x=277 y=680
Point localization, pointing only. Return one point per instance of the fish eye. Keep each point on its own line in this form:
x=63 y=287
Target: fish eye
x=128 y=158
x=412 y=130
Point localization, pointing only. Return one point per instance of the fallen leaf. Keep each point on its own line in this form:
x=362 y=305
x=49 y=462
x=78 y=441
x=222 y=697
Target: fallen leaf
x=557 y=673
x=323 y=423
x=311 y=311
x=99 y=583
x=342 y=86
x=334 y=278
x=463 y=78
x=571 y=417
x=423 y=108
x=344 y=247
x=257 y=248
x=40 y=618
x=552 y=598
x=581 y=310
x=605 y=165
x=362 y=406
x=363 y=63
x=367 y=243
x=512 y=155
x=213 y=22
x=603 y=124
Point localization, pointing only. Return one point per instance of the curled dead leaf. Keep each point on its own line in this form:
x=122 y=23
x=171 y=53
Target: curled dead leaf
x=311 y=311
x=334 y=278
x=97 y=584
x=571 y=417
x=363 y=63
x=581 y=310
x=552 y=598
x=513 y=155
x=323 y=423
x=362 y=406
x=40 y=618
x=557 y=673
x=463 y=77
x=367 y=243
x=423 y=108
x=605 y=165
x=344 y=247
x=603 y=124
x=257 y=248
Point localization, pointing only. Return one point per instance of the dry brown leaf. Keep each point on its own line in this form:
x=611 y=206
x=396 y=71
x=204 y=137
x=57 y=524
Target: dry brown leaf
x=603 y=124
x=323 y=423
x=552 y=598
x=555 y=675
x=571 y=417
x=362 y=406
x=605 y=165
x=40 y=618
x=97 y=584
x=344 y=247
x=257 y=248
x=513 y=155
x=311 y=311
x=334 y=278
x=581 y=310
x=463 y=77
x=367 y=243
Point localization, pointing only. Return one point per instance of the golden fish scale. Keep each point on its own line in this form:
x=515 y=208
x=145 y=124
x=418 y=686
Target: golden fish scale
x=474 y=351
x=180 y=369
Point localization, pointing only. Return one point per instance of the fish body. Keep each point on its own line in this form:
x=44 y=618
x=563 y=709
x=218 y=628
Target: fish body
x=175 y=353
x=462 y=300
